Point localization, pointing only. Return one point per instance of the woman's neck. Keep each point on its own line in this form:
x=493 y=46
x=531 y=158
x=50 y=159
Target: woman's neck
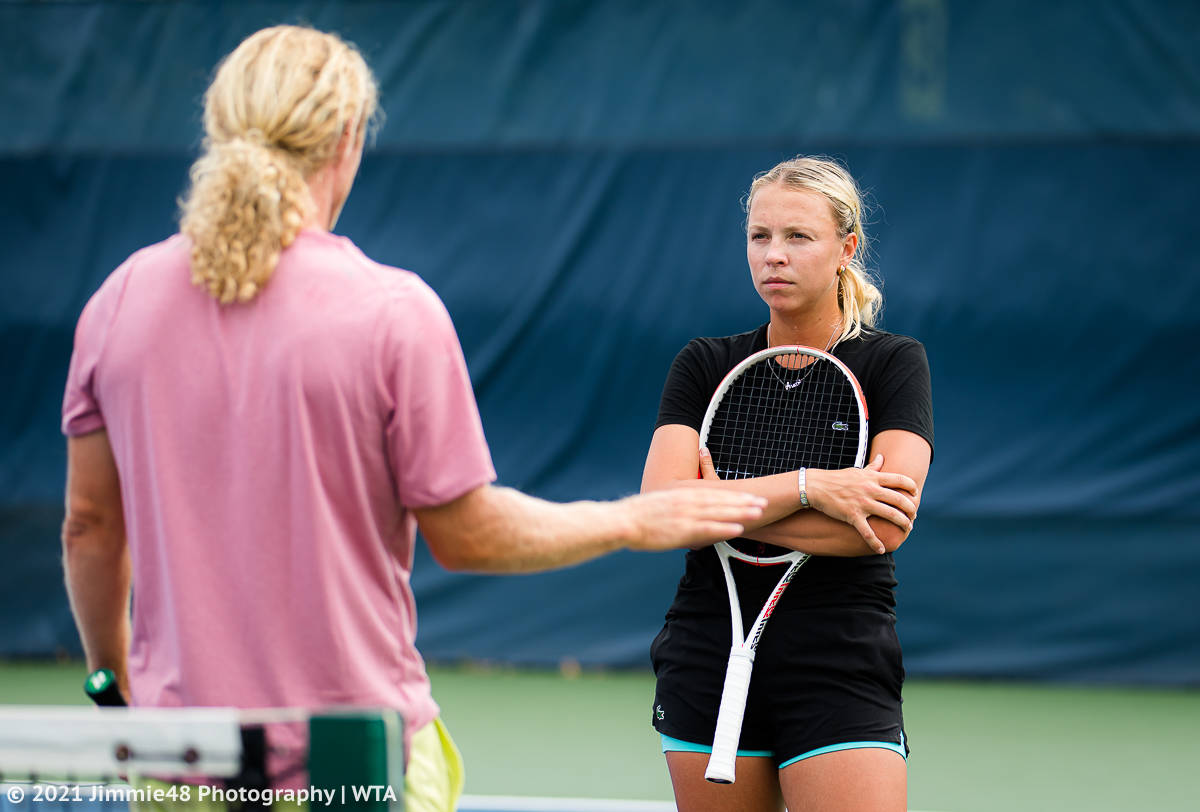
x=819 y=332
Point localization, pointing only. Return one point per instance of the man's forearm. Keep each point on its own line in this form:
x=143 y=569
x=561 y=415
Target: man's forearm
x=98 y=573
x=512 y=532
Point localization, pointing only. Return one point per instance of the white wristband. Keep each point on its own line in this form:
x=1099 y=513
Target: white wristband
x=803 y=491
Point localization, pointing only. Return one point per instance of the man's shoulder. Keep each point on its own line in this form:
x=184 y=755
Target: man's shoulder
x=174 y=250
x=351 y=269
x=152 y=262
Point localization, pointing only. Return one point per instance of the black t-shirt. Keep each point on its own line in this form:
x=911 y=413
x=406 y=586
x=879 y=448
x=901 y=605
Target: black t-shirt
x=894 y=375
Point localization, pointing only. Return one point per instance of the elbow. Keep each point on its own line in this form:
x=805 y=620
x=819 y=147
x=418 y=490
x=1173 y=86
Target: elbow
x=459 y=554
x=893 y=544
x=449 y=556
x=74 y=531
x=462 y=534
x=891 y=535
x=86 y=531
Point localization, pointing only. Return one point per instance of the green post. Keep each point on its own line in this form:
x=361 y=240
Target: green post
x=358 y=753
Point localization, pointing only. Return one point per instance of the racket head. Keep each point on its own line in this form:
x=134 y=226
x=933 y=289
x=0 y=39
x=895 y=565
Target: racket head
x=782 y=409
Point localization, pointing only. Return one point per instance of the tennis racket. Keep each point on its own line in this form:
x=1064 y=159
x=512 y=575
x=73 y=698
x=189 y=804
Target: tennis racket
x=782 y=409
x=101 y=686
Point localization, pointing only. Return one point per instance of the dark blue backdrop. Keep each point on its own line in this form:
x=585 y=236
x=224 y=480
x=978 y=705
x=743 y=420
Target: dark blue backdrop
x=567 y=176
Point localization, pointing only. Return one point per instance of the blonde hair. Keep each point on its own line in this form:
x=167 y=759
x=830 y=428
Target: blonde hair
x=858 y=294
x=273 y=115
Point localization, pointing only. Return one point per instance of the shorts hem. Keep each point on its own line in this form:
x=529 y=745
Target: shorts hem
x=865 y=745
x=670 y=744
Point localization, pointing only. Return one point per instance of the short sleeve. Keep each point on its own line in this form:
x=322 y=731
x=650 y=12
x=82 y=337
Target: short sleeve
x=434 y=433
x=81 y=412
x=686 y=391
x=902 y=396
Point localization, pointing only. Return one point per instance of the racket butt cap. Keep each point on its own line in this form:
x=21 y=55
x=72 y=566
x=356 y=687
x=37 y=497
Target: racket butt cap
x=101 y=686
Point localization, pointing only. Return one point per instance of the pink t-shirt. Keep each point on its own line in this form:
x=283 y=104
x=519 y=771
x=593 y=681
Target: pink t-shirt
x=269 y=455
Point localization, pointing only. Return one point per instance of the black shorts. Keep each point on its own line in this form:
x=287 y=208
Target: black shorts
x=822 y=677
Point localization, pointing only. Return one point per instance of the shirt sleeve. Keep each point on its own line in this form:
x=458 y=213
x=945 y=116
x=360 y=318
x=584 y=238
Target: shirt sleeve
x=902 y=396
x=81 y=413
x=687 y=390
x=434 y=433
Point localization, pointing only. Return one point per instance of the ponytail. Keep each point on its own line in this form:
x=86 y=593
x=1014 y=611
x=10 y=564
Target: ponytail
x=248 y=202
x=275 y=113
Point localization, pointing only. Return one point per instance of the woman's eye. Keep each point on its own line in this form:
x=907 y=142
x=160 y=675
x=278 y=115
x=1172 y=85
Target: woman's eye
x=799 y=235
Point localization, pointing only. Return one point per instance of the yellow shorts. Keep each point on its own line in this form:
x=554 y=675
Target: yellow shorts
x=433 y=781
x=434 y=776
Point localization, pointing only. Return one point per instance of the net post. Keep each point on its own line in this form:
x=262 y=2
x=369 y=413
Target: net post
x=359 y=755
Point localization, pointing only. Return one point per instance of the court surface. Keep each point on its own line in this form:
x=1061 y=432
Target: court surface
x=545 y=740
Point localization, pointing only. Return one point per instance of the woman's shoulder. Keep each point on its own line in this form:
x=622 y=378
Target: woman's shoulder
x=877 y=357
x=879 y=345
x=724 y=351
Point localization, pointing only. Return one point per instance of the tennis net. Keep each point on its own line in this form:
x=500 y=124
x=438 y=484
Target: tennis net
x=114 y=759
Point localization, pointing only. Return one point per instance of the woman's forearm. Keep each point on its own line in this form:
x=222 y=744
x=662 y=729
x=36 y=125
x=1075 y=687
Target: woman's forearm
x=813 y=532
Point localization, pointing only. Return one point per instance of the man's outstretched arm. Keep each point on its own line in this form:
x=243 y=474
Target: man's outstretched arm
x=495 y=529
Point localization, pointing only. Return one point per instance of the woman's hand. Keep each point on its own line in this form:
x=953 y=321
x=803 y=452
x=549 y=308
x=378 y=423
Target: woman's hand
x=853 y=495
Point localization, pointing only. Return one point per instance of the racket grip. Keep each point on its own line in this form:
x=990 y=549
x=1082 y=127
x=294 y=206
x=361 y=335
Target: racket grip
x=101 y=686
x=729 y=717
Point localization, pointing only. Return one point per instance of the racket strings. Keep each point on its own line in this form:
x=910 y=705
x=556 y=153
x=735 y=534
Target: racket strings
x=790 y=363
x=780 y=417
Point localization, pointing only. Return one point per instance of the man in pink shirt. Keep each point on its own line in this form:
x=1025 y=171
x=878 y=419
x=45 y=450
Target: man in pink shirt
x=254 y=459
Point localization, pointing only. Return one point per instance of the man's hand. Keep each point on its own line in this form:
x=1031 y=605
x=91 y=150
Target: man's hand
x=689 y=517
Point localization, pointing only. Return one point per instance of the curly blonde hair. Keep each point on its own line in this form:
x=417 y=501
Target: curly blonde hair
x=273 y=115
x=858 y=293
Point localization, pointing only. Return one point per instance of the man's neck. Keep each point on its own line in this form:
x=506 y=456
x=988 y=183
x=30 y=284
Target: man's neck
x=321 y=191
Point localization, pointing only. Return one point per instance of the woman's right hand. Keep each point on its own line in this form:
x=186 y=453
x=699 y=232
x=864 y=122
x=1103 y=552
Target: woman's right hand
x=853 y=495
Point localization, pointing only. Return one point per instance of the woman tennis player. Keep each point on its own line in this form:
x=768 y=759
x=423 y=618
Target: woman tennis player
x=823 y=728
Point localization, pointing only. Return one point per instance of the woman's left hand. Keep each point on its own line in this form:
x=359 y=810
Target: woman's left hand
x=853 y=495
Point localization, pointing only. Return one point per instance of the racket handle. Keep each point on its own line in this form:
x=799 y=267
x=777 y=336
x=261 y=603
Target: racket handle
x=729 y=717
x=101 y=686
